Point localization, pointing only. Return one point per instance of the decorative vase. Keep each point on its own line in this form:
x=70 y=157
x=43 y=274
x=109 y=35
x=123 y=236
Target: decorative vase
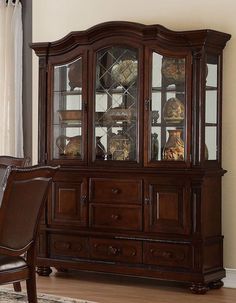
x=120 y=146
x=173 y=111
x=174 y=147
x=155 y=116
x=155 y=146
x=100 y=149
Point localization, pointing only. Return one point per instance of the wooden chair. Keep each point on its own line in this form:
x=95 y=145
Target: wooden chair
x=24 y=194
x=21 y=162
x=14 y=161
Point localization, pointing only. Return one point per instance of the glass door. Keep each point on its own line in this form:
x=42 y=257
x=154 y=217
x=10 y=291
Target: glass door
x=116 y=105
x=166 y=110
x=68 y=111
x=211 y=109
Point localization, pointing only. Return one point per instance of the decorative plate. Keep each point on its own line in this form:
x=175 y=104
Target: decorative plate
x=173 y=70
x=125 y=72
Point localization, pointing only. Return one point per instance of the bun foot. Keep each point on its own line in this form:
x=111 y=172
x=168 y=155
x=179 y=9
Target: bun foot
x=198 y=288
x=216 y=284
x=43 y=271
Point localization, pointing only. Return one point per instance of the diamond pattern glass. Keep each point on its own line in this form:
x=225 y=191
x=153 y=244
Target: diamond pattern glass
x=116 y=100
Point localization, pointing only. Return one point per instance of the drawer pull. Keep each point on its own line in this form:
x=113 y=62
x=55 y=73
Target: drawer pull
x=62 y=245
x=115 y=217
x=161 y=254
x=115 y=191
x=113 y=250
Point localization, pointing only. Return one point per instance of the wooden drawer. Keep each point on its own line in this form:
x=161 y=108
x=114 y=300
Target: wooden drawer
x=168 y=255
x=116 y=250
x=128 y=217
x=68 y=246
x=115 y=191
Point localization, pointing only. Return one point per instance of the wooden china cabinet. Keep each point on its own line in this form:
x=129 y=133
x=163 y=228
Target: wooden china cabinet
x=132 y=113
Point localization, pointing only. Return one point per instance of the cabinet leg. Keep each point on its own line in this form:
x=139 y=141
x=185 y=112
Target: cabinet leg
x=216 y=284
x=198 y=288
x=43 y=271
x=17 y=286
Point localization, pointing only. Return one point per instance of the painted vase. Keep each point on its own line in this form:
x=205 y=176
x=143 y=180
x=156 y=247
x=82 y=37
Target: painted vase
x=174 y=147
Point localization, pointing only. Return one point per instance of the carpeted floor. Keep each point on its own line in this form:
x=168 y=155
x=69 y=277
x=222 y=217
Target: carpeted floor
x=9 y=296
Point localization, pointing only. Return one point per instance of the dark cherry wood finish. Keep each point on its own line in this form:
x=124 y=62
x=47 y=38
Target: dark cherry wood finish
x=160 y=220
x=14 y=161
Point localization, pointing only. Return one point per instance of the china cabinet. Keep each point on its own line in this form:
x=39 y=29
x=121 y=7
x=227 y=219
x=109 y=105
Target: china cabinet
x=132 y=113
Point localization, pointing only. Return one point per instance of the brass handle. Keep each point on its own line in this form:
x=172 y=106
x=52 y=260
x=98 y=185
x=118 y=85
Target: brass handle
x=115 y=217
x=113 y=250
x=115 y=191
x=146 y=201
x=147 y=104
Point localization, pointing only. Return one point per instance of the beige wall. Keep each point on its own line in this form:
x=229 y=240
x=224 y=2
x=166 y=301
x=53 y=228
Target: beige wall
x=55 y=18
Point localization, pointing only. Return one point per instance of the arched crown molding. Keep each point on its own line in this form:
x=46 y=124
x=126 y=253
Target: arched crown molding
x=134 y=31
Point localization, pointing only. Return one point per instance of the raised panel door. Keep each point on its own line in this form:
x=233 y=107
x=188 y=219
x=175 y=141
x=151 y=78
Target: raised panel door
x=69 y=206
x=167 y=208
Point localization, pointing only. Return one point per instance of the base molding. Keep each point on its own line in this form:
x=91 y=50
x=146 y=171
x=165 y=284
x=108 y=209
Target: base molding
x=230 y=279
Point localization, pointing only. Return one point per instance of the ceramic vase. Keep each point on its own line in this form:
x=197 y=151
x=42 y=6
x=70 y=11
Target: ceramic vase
x=174 y=147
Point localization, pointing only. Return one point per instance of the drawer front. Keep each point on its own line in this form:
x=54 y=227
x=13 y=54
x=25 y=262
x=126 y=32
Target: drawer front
x=68 y=246
x=128 y=217
x=168 y=255
x=115 y=191
x=116 y=250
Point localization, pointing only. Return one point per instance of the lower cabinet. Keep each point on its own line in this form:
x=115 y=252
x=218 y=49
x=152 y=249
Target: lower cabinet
x=150 y=227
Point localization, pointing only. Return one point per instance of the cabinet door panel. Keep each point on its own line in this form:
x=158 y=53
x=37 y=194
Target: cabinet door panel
x=69 y=204
x=167 y=208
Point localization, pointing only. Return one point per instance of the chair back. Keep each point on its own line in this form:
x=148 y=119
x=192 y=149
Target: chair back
x=14 y=161
x=23 y=200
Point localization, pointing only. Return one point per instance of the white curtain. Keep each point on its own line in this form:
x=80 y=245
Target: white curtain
x=11 y=44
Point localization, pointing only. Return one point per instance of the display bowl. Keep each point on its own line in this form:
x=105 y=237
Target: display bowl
x=70 y=116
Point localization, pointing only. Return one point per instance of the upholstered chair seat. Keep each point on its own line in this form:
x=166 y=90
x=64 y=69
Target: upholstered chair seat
x=24 y=194
x=11 y=263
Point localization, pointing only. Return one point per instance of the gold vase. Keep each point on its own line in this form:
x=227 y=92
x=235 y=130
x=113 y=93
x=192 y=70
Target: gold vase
x=174 y=147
